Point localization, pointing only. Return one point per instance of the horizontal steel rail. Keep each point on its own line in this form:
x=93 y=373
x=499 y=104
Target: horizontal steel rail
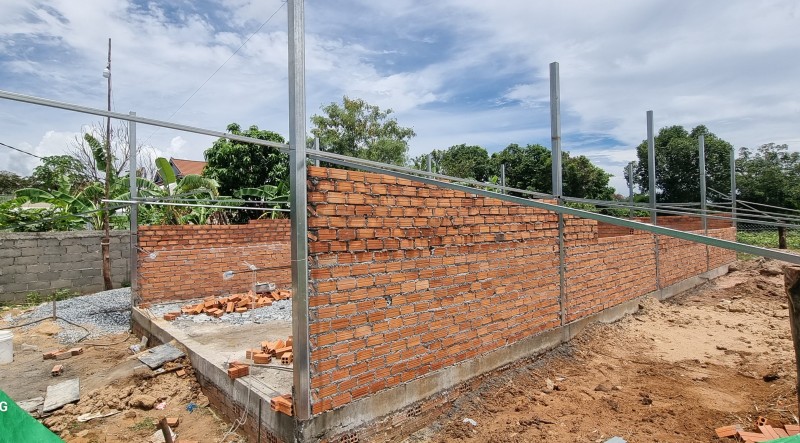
x=133 y=118
x=193 y=205
x=697 y=238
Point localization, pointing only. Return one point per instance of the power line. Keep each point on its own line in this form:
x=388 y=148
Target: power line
x=218 y=69
x=20 y=150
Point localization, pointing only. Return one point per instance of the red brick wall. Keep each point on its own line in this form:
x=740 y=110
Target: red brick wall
x=679 y=222
x=608 y=271
x=190 y=259
x=408 y=278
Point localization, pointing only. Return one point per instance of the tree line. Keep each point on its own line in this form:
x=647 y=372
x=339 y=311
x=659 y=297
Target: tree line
x=237 y=172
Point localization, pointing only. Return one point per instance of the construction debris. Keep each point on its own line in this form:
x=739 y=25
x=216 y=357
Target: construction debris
x=62 y=394
x=57 y=370
x=237 y=303
x=157 y=356
x=279 y=349
x=767 y=432
x=282 y=404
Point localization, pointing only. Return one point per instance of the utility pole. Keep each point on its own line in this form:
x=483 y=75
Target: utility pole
x=104 y=244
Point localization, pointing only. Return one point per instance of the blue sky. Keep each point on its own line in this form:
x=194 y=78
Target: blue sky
x=457 y=71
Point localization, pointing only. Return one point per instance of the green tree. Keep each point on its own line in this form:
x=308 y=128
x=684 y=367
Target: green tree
x=235 y=165
x=583 y=179
x=466 y=162
x=358 y=129
x=54 y=169
x=677 y=164
x=527 y=167
x=769 y=175
x=10 y=182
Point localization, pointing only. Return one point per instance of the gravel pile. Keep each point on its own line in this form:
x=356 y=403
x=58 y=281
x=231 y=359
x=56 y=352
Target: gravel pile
x=102 y=313
x=280 y=310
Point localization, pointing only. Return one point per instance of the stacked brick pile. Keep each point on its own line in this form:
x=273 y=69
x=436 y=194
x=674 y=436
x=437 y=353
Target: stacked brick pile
x=279 y=349
x=217 y=307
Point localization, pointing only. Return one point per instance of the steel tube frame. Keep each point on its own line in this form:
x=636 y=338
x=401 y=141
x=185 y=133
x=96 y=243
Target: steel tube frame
x=297 y=191
x=651 y=177
x=630 y=189
x=134 y=212
x=697 y=238
x=503 y=178
x=555 y=159
x=703 y=213
x=733 y=182
x=192 y=205
x=133 y=118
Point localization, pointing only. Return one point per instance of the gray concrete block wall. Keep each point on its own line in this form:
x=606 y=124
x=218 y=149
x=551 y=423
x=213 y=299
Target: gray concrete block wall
x=47 y=261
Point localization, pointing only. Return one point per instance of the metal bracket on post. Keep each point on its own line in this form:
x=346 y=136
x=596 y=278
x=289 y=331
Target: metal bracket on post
x=134 y=212
x=651 y=175
x=298 y=198
x=555 y=157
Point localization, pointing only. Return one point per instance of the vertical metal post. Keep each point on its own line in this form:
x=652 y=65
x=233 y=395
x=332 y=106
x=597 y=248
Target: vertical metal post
x=651 y=166
x=134 y=212
x=630 y=188
x=651 y=175
x=703 y=214
x=503 y=177
x=555 y=154
x=297 y=180
x=430 y=162
x=555 y=127
x=733 y=185
x=316 y=148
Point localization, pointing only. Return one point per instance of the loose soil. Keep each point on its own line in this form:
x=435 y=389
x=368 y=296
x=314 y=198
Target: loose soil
x=672 y=372
x=111 y=379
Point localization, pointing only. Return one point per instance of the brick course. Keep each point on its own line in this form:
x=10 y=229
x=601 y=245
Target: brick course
x=188 y=261
x=407 y=278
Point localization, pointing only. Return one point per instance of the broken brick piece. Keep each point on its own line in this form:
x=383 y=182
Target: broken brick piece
x=727 y=431
x=180 y=373
x=792 y=429
x=229 y=307
x=262 y=358
x=50 y=355
x=173 y=422
x=241 y=310
x=170 y=316
x=63 y=355
x=57 y=370
x=145 y=305
x=287 y=358
x=76 y=351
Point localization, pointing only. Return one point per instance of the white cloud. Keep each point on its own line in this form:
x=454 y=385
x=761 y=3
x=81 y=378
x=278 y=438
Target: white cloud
x=457 y=71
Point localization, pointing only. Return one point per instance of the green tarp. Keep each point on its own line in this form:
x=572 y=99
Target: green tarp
x=792 y=439
x=17 y=426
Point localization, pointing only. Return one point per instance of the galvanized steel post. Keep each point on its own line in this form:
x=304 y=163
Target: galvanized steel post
x=430 y=164
x=733 y=185
x=555 y=156
x=503 y=178
x=703 y=214
x=133 y=212
x=316 y=148
x=651 y=175
x=297 y=189
x=630 y=188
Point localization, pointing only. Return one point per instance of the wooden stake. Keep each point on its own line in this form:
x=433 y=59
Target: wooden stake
x=791 y=281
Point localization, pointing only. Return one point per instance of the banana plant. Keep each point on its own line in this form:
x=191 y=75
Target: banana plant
x=275 y=197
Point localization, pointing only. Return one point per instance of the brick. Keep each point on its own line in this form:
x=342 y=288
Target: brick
x=173 y=422
x=57 y=370
x=236 y=370
x=262 y=358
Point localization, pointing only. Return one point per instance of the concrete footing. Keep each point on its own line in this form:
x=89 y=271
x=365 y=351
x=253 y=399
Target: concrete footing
x=388 y=415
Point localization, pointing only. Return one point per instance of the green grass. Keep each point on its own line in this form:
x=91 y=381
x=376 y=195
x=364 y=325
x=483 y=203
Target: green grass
x=768 y=239
x=148 y=424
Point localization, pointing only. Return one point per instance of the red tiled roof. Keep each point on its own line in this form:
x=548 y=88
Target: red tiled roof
x=186 y=167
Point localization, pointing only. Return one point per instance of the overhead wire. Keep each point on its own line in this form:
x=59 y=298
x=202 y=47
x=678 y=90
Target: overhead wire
x=20 y=150
x=218 y=69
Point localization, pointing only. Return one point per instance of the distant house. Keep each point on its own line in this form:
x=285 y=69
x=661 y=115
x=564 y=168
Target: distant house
x=182 y=168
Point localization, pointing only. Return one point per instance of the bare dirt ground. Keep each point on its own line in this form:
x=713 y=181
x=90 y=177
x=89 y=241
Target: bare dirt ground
x=717 y=355
x=111 y=379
